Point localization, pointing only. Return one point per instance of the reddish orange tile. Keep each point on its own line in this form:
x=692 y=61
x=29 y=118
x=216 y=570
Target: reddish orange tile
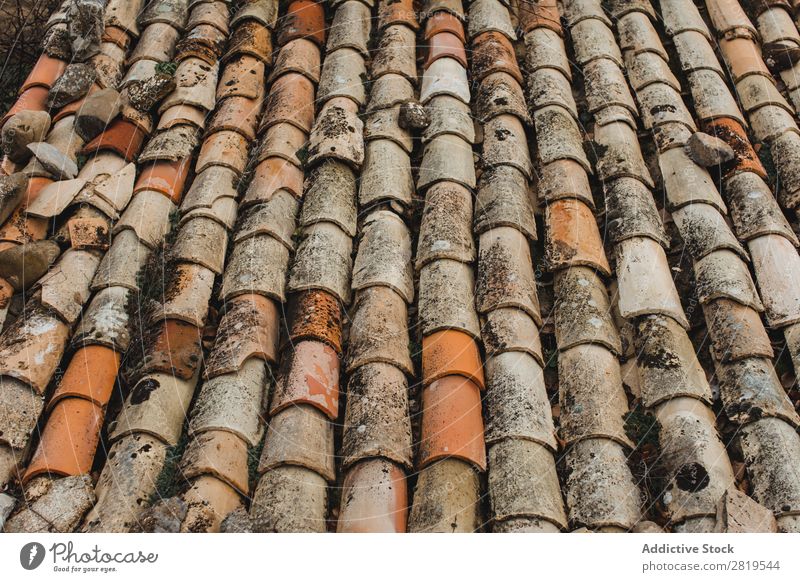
x=44 y=73
x=89 y=233
x=745 y=157
x=290 y=100
x=492 y=52
x=69 y=440
x=451 y=352
x=573 y=237
x=316 y=315
x=446 y=44
x=744 y=57
x=21 y=228
x=444 y=22
x=166 y=177
x=303 y=19
x=397 y=12
x=176 y=350
x=541 y=14
x=251 y=38
x=91 y=374
x=452 y=424
x=312 y=378
x=34 y=99
x=118 y=36
x=121 y=137
x=274 y=174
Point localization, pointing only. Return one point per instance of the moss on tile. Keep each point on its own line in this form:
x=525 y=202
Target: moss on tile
x=168 y=481
x=642 y=427
x=765 y=156
x=253 y=458
x=80 y=160
x=151 y=281
x=302 y=154
x=167 y=68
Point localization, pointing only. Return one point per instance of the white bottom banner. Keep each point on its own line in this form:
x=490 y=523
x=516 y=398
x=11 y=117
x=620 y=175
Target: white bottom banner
x=383 y=558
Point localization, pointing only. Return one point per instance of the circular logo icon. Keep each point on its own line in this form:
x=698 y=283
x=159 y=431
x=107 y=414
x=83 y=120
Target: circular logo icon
x=31 y=555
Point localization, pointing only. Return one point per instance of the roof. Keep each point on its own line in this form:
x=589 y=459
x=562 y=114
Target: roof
x=388 y=266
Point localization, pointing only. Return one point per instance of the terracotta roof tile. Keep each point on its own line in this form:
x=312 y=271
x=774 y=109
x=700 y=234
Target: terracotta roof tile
x=121 y=137
x=281 y=105
x=316 y=315
x=323 y=262
x=439 y=22
x=452 y=426
x=31 y=348
x=166 y=177
x=445 y=231
x=375 y=499
x=33 y=99
x=386 y=175
x=134 y=461
x=157 y=406
x=378 y=401
x=300 y=436
x=288 y=486
x=219 y=454
x=69 y=440
x=311 y=377
x=436 y=510
x=524 y=496
x=298 y=56
x=157 y=43
x=316 y=198
x=378 y=330
x=209 y=501
x=44 y=73
x=582 y=310
x=224 y=397
x=206 y=43
x=21 y=409
x=304 y=19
